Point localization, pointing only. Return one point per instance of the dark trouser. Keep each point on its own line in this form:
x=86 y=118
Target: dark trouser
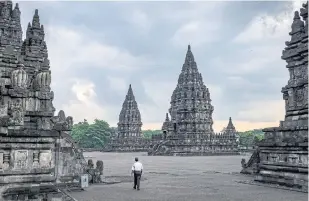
x=137 y=178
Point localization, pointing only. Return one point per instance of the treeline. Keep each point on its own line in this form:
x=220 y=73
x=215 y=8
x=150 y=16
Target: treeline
x=91 y=135
x=98 y=133
x=249 y=138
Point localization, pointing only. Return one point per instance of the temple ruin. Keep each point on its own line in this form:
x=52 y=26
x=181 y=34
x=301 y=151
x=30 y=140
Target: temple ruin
x=37 y=153
x=129 y=137
x=187 y=129
x=282 y=157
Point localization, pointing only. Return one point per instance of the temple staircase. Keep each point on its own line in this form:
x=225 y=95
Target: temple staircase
x=251 y=167
x=157 y=149
x=66 y=196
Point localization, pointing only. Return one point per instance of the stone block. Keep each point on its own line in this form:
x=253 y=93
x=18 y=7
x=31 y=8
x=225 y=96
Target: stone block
x=21 y=159
x=45 y=159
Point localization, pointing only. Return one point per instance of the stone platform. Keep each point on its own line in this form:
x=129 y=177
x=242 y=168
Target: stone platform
x=211 y=178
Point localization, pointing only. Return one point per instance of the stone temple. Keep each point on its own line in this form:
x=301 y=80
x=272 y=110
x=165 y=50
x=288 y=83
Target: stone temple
x=187 y=129
x=282 y=157
x=129 y=137
x=37 y=153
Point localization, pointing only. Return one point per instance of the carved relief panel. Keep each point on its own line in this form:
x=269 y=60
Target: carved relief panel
x=45 y=159
x=21 y=159
x=299 y=97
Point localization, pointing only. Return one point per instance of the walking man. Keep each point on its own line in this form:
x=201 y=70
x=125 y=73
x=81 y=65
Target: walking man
x=137 y=170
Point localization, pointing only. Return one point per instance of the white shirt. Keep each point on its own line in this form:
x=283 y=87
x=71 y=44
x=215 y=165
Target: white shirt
x=137 y=166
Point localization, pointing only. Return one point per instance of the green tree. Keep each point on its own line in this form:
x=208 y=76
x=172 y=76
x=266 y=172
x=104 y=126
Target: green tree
x=249 y=138
x=94 y=135
x=148 y=133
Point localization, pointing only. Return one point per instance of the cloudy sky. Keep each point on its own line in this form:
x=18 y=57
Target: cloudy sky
x=98 y=48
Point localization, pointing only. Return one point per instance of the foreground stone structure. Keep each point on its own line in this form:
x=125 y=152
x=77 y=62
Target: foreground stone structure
x=129 y=137
x=188 y=130
x=282 y=157
x=37 y=153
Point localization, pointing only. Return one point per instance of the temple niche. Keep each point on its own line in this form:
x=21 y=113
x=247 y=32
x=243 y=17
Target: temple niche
x=128 y=136
x=187 y=129
x=282 y=157
x=35 y=145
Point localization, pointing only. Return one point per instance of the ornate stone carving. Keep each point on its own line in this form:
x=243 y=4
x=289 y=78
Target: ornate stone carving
x=19 y=77
x=191 y=117
x=45 y=158
x=16 y=113
x=284 y=148
x=129 y=133
x=36 y=159
x=28 y=131
x=21 y=159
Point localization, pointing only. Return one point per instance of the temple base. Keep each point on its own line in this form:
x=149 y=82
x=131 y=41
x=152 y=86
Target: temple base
x=281 y=160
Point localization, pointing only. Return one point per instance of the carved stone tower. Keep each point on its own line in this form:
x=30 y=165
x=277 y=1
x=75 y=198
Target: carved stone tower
x=282 y=157
x=130 y=124
x=230 y=127
x=32 y=140
x=10 y=27
x=188 y=131
x=191 y=109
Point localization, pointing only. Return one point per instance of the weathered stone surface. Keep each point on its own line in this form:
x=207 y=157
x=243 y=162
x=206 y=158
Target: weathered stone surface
x=189 y=130
x=32 y=154
x=283 y=154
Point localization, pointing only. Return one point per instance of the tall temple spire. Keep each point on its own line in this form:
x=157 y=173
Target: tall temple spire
x=36 y=19
x=191 y=109
x=34 y=46
x=166 y=123
x=189 y=60
x=130 y=94
x=304 y=14
x=130 y=118
x=230 y=124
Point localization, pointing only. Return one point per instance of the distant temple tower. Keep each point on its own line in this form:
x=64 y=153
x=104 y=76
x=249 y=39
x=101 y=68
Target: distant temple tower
x=130 y=124
x=129 y=136
x=230 y=127
x=188 y=130
x=191 y=109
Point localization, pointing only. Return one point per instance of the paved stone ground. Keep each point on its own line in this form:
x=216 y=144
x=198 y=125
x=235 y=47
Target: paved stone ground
x=212 y=178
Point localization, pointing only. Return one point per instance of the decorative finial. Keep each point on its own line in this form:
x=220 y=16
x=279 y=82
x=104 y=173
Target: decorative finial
x=16 y=6
x=296 y=15
x=189 y=47
x=36 y=12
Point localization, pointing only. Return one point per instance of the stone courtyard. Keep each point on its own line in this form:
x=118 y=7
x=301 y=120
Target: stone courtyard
x=213 y=178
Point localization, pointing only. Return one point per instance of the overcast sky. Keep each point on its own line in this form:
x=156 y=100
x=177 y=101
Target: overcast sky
x=98 y=48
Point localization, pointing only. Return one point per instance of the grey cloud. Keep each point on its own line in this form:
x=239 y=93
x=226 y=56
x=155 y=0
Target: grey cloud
x=106 y=23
